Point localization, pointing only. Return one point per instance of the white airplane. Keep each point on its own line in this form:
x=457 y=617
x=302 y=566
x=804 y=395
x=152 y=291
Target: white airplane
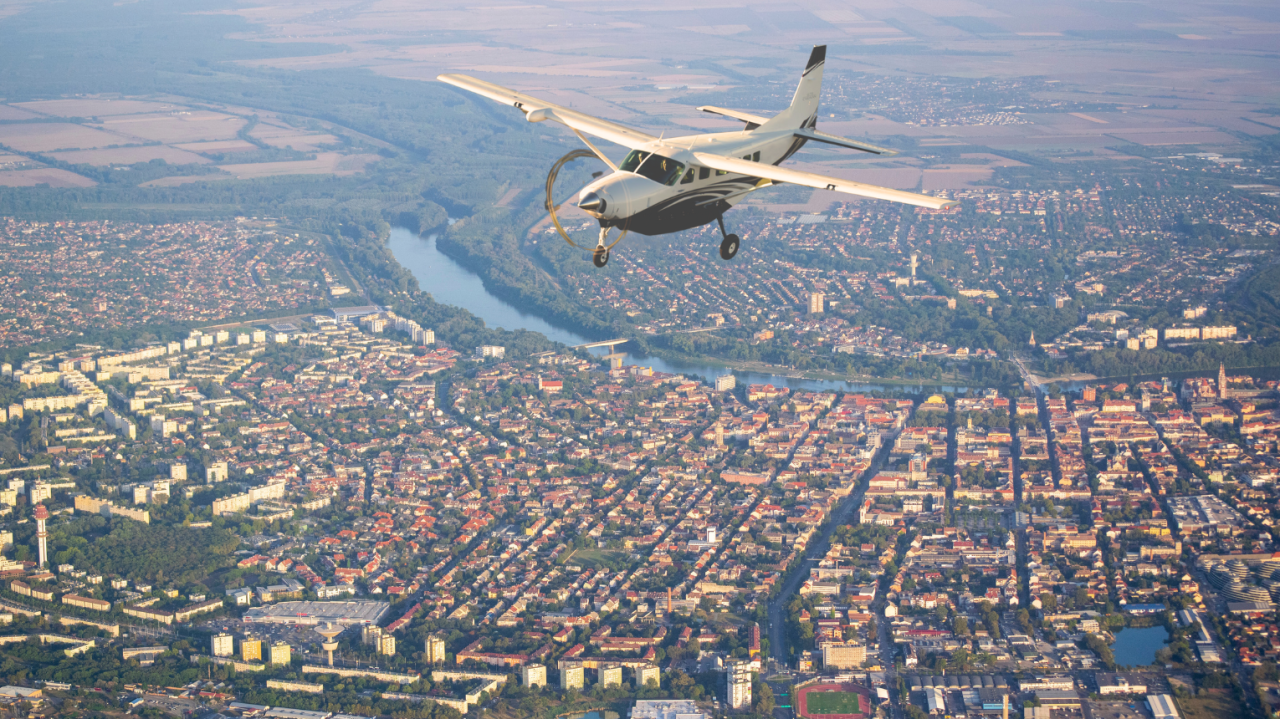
x=669 y=184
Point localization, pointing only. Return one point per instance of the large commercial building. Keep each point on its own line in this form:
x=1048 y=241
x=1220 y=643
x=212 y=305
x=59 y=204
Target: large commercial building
x=844 y=656
x=311 y=613
x=666 y=709
x=1162 y=706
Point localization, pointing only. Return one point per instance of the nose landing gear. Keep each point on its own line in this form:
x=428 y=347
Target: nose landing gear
x=729 y=246
x=600 y=256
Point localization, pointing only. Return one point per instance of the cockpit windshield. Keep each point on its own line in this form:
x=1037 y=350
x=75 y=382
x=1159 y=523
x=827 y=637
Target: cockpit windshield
x=662 y=170
x=633 y=160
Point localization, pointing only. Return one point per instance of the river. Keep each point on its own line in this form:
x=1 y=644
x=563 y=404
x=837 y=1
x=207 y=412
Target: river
x=452 y=284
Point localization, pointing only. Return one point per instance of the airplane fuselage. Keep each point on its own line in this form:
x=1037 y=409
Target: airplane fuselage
x=651 y=198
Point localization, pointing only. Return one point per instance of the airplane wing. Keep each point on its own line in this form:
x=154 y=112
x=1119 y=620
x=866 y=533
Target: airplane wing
x=537 y=110
x=821 y=182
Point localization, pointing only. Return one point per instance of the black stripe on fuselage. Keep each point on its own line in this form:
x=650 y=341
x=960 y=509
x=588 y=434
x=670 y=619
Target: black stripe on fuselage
x=684 y=211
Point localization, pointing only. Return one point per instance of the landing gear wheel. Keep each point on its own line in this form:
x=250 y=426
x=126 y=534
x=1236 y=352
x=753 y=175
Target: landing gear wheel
x=600 y=257
x=729 y=247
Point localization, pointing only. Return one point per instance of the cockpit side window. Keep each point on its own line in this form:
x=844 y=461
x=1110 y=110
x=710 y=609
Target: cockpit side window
x=688 y=177
x=633 y=160
x=662 y=170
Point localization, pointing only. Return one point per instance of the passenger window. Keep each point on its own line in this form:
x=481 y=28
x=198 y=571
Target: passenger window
x=721 y=172
x=704 y=173
x=688 y=177
x=755 y=156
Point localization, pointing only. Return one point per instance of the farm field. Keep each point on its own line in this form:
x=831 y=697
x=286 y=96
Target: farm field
x=50 y=176
x=129 y=155
x=326 y=163
x=47 y=136
x=119 y=132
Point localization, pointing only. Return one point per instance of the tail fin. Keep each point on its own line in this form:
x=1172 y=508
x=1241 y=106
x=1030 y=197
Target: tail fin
x=804 y=106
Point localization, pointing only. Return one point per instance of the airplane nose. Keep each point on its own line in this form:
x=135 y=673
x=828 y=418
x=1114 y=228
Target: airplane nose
x=592 y=203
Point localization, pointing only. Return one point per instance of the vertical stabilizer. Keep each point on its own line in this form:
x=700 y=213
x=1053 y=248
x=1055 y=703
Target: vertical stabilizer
x=804 y=106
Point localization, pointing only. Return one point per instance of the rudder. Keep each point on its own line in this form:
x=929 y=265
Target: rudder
x=803 y=111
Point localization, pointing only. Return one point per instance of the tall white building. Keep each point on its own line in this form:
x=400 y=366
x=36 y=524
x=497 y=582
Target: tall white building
x=215 y=472
x=647 y=674
x=223 y=645
x=434 y=650
x=281 y=654
x=815 y=302
x=738 y=685
x=572 y=678
x=533 y=675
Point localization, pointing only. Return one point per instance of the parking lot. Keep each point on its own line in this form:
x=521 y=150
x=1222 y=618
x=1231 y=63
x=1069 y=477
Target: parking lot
x=298 y=637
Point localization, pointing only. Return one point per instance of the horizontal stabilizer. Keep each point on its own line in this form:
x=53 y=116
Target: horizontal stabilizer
x=816 y=136
x=821 y=182
x=736 y=114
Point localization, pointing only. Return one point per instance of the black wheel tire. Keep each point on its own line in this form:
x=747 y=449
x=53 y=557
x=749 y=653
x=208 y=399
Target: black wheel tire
x=600 y=257
x=729 y=247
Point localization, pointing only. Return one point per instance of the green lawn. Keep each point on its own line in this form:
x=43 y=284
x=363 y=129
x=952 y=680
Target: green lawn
x=613 y=559
x=834 y=703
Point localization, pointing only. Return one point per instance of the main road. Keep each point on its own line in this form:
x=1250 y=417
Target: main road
x=777 y=608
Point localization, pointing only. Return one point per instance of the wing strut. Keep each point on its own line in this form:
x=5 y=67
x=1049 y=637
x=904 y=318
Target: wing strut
x=594 y=149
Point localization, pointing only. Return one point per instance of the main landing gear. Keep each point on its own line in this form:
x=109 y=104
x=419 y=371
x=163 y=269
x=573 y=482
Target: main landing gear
x=729 y=246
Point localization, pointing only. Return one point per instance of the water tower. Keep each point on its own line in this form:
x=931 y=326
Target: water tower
x=330 y=634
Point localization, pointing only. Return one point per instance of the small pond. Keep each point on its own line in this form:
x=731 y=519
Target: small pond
x=1138 y=647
